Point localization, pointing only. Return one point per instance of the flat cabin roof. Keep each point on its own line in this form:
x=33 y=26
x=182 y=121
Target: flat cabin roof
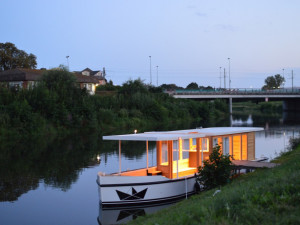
x=183 y=134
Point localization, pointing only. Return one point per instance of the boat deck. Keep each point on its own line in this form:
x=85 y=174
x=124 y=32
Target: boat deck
x=246 y=164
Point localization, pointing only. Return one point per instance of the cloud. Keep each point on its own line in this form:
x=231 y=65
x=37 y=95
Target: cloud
x=226 y=27
x=192 y=7
x=200 y=14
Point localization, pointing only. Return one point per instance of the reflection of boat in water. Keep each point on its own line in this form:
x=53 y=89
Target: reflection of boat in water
x=124 y=215
x=179 y=154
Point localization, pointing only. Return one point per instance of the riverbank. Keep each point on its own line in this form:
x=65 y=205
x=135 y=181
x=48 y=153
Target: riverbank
x=266 y=196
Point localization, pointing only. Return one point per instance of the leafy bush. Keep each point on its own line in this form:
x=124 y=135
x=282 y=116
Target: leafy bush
x=216 y=170
x=294 y=142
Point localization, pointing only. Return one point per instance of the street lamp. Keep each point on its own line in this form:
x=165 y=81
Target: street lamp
x=157 y=76
x=220 y=76
x=229 y=73
x=150 y=71
x=283 y=77
x=68 y=62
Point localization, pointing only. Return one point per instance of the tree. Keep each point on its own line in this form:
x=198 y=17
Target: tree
x=170 y=87
x=11 y=57
x=216 y=170
x=192 y=85
x=134 y=86
x=273 y=82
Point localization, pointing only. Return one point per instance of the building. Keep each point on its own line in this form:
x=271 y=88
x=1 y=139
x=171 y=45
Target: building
x=27 y=78
x=100 y=75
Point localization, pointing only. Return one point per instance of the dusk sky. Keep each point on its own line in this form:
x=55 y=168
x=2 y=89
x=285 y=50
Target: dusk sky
x=189 y=40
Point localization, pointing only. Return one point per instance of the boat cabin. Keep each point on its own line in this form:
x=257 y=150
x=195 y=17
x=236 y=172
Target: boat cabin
x=180 y=153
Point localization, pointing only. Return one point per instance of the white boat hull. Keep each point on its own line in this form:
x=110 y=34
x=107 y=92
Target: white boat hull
x=122 y=191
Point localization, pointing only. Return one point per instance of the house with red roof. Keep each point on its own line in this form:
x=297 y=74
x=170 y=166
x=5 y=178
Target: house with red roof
x=28 y=78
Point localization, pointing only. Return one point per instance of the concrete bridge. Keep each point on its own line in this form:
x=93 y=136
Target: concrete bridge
x=290 y=97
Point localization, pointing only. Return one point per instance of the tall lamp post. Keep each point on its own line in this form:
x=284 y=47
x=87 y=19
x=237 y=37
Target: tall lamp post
x=150 y=71
x=229 y=73
x=68 y=62
x=283 y=76
x=220 y=76
x=157 y=76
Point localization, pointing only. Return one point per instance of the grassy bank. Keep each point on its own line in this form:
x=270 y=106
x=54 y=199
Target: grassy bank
x=266 y=196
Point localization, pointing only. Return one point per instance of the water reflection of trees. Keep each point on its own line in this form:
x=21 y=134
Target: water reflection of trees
x=130 y=149
x=260 y=120
x=57 y=163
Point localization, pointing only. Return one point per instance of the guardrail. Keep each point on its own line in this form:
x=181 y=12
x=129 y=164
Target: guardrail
x=243 y=91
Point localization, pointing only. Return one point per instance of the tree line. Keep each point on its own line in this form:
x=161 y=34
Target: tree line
x=57 y=106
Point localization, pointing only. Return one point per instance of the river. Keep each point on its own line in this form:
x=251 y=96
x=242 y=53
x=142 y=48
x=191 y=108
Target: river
x=56 y=183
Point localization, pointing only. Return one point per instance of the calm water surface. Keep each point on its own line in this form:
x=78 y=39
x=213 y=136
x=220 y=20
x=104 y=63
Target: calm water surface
x=56 y=183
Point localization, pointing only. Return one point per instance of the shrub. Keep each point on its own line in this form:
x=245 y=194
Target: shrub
x=216 y=170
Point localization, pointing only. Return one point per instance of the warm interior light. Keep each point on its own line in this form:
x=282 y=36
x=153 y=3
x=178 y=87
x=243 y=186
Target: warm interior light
x=135 y=131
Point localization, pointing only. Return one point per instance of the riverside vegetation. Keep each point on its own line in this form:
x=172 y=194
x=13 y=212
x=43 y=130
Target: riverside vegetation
x=266 y=196
x=57 y=107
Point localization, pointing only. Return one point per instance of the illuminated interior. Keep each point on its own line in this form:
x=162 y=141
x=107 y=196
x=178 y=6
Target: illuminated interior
x=179 y=158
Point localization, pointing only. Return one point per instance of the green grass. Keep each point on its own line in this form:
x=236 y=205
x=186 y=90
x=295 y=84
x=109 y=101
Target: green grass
x=266 y=196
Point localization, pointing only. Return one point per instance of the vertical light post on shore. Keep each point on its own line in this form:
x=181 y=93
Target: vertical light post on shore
x=220 y=76
x=68 y=62
x=292 y=81
x=150 y=71
x=224 y=79
x=283 y=76
x=229 y=73
x=157 y=76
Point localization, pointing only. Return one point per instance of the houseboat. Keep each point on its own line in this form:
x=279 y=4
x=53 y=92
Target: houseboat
x=178 y=155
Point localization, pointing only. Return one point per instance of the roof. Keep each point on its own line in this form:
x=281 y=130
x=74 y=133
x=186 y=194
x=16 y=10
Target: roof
x=21 y=74
x=183 y=134
x=86 y=79
x=92 y=72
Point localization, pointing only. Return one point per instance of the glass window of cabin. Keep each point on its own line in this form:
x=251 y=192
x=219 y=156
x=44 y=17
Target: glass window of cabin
x=164 y=152
x=226 y=145
x=194 y=144
x=215 y=142
x=175 y=150
x=204 y=144
x=185 y=148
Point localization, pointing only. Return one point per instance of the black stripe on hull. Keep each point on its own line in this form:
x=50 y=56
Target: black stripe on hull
x=159 y=201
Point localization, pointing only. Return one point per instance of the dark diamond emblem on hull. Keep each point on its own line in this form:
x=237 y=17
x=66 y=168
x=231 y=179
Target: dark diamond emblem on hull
x=135 y=194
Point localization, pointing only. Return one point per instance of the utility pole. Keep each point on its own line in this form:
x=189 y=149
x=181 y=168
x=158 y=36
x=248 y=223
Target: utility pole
x=150 y=71
x=220 y=76
x=224 y=79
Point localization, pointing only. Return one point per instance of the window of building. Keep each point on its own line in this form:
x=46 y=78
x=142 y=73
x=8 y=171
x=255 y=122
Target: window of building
x=226 y=145
x=164 y=152
x=215 y=142
x=204 y=144
x=175 y=150
x=185 y=148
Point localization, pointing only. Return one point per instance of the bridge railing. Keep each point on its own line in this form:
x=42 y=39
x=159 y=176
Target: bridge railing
x=233 y=91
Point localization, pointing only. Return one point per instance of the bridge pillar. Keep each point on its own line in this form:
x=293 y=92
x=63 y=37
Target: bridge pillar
x=230 y=106
x=291 y=105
